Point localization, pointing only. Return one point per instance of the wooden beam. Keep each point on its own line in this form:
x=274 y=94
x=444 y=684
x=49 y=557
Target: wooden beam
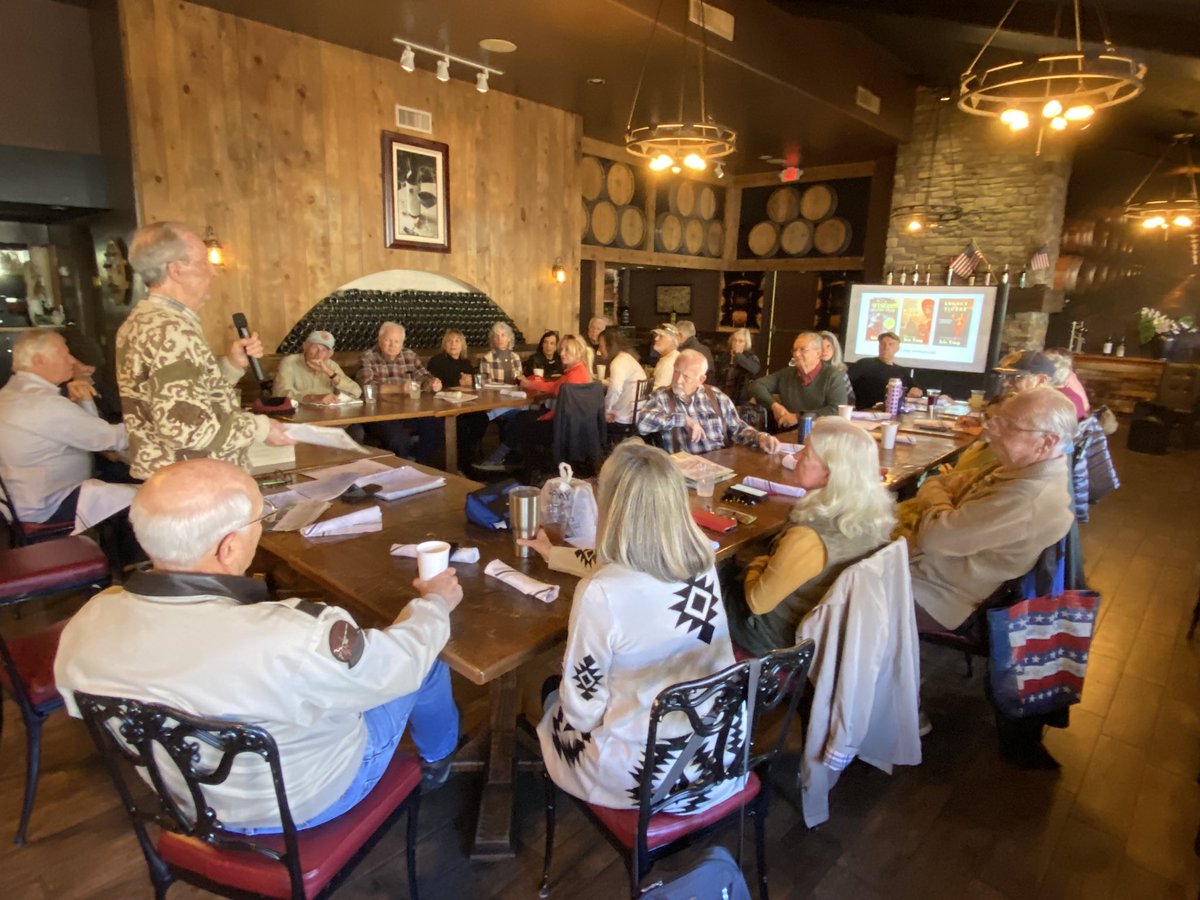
x=810 y=174
x=621 y=256
x=804 y=264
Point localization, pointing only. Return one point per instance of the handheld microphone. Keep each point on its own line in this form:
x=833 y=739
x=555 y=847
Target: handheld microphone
x=243 y=330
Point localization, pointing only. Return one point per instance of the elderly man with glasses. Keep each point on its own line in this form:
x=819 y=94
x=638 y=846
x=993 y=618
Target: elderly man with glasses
x=978 y=528
x=196 y=634
x=805 y=386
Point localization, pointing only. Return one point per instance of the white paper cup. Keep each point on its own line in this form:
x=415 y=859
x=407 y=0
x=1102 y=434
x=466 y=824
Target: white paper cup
x=888 y=430
x=454 y=395
x=601 y=371
x=540 y=373
x=846 y=411
x=432 y=557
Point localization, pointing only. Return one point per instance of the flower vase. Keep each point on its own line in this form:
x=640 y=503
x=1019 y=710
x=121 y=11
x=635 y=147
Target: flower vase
x=1162 y=346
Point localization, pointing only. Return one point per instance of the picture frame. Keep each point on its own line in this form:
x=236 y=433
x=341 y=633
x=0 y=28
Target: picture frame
x=416 y=193
x=673 y=298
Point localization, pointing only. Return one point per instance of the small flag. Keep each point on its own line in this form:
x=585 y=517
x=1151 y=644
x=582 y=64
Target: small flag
x=1040 y=260
x=966 y=262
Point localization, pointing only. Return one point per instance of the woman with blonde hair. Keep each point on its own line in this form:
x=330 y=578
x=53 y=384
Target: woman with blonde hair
x=453 y=368
x=846 y=514
x=534 y=427
x=648 y=616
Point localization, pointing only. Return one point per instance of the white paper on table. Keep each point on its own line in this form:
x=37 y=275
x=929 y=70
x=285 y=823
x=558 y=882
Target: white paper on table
x=871 y=415
x=516 y=395
x=323 y=436
x=774 y=487
x=461 y=398
x=361 y=521
x=547 y=593
x=300 y=514
x=327 y=488
x=789 y=448
x=342 y=400
x=358 y=467
x=866 y=424
x=496 y=385
x=98 y=500
x=402 y=482
x=457 y=554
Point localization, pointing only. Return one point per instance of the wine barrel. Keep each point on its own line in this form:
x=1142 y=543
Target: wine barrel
x=714 y=238
x=603 y=223
x=1066 y=272
x=631 y=227
x=796 y=238
x=818 y=202
x=1086 y=279
x=693 y=236
x=783 y=205
x=707 y=202
x=682 y=197
x=832 y=237
x=764 y=239
x=620 y=183
x=668 y=232
x=591 y=178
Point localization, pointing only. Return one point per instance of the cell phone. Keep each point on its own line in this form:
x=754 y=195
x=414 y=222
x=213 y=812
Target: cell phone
x=743 y=494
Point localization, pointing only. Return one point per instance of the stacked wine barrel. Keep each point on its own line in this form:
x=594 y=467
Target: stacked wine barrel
x=801 y=221
x=690 y=225
x=608 y=216
x=1093 y=255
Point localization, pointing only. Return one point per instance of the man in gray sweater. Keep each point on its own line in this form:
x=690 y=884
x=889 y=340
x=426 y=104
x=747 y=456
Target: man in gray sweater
x=806 y=386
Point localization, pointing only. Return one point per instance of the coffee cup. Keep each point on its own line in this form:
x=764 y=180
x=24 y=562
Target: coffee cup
x=846 y=411
x=601 y=371
x=888 y=432
x=523 y=515
x=432 y=557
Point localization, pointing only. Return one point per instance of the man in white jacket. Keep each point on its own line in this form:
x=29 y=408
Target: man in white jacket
x=197 y=635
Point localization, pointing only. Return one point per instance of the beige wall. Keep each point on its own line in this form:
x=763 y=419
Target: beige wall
x=274 y=139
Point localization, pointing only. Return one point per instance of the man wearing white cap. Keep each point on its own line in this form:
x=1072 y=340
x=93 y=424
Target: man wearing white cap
x=666 y=344
x=312 y=375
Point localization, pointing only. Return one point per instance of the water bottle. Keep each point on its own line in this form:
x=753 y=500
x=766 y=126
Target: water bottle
x=892 y=396
x=806 y=427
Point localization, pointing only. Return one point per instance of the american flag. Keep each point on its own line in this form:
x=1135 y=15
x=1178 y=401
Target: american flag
x=966 y=262
x=1040 y=260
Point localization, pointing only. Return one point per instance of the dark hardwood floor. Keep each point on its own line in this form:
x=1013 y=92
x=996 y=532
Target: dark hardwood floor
x=1117 y=821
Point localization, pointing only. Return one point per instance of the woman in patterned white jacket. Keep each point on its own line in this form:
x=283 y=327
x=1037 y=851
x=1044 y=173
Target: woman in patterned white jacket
x=649 y=616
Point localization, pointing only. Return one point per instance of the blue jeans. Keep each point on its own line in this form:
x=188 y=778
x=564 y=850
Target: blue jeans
x=434 y=718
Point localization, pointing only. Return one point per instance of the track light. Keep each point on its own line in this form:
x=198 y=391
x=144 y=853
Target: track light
x=719 y=170
x=481 y=84
x=408 y=59
x=443 y=69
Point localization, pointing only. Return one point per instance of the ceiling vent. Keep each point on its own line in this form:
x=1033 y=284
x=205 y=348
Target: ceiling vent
x=866 y=100
x=716 y=20
x=414 y=119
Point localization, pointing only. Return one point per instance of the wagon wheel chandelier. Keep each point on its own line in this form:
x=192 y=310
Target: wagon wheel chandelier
x=690 y=142
x=1058 y=89
x=928 y=215
x=1176 y=209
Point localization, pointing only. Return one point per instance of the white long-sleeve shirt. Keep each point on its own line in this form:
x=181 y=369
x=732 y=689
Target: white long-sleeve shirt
x=624 y=373
x=46 y=444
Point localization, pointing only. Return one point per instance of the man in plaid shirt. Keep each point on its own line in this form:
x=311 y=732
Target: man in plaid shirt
x=697 y=420
x=389 y=365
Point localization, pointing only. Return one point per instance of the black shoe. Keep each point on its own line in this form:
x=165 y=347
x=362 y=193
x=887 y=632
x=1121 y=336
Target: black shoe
x=435 y=774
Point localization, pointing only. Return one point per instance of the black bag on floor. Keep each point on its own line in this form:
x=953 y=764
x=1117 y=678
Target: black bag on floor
x=715 y=877
x=1148 y=433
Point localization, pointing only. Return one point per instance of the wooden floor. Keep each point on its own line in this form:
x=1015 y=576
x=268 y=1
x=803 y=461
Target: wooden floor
x=1117 y=821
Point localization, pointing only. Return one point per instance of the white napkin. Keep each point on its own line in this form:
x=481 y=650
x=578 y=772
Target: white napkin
x=547 y=593
x=458 y=555
x=774 y=487
x=789 y=448
x=789 y=462
x=462 y=398
x=516 y=395
x=361 y=521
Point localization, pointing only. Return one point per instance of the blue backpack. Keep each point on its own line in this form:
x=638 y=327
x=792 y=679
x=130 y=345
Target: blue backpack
x=488 y=506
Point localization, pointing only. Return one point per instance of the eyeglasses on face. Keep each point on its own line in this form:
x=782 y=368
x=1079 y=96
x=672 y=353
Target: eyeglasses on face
x=269 y=515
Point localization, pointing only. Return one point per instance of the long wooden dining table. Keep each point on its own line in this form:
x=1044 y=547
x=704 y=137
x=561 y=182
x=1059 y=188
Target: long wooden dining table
x=497 y=629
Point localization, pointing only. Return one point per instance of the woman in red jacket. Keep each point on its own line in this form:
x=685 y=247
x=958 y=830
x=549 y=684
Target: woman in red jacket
x=534 y=427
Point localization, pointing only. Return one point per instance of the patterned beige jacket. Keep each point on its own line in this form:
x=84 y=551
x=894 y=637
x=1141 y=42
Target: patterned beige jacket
x=178 y=400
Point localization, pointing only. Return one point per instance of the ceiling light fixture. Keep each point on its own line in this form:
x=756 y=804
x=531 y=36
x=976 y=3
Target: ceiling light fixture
x=1167 y=206
x=408 y=61
x=1060 y=88
x=693 y=141
x=918 y=217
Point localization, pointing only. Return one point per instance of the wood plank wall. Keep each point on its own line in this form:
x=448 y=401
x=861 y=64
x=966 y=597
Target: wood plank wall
x=273 y=138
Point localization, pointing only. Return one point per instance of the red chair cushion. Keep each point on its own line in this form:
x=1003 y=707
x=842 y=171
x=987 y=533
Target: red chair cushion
x=665 y=828
x=324 y=850
x=40 y=531
x=52 y=565
x=33 y=655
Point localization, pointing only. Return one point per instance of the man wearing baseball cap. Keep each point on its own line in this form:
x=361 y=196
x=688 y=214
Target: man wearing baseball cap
x=1024 y=370
x=666 y=344
x=312 y=375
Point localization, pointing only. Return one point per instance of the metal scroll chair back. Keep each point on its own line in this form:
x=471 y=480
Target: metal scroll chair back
x=24 y=533
x=152 y=736
x=643 y=388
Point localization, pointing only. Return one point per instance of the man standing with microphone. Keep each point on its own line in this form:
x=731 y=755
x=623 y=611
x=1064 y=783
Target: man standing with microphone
x=178 y=400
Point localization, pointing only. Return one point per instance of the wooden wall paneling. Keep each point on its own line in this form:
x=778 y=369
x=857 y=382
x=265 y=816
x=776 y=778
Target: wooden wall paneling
x=234 y=157
x=733 y=218
x=311 y=186
x=148 y=153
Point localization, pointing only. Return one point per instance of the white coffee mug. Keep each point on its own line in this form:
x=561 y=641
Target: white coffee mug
x=846 y=411
x=888 y=430
x=432 y=557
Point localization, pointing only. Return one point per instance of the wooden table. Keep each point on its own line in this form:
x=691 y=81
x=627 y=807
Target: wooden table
x=392 y=407
x=310 y=456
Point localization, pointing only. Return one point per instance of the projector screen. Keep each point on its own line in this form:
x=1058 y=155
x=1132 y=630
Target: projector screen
x=941 y=327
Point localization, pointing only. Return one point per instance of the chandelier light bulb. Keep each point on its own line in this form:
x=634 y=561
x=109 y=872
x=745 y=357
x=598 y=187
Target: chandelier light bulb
x=481 y=83
x=1080 y=113
x=1182 y=221
x=915 y=225
x=676 y=169
x=1155 y=222
x=695 y=162
x=1015 y=119
x=408 y=60
x=443 y=69
x=1058 y=123
x=1052 y=109
x=660 y=162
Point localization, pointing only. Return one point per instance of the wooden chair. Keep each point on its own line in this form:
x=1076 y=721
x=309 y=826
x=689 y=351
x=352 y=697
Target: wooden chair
x=618 y=432
x=24 y=533
x=715 y=709
x=27 y=662
x=193 y=846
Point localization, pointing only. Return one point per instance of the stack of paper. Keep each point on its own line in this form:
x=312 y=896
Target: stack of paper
x=694 y=468
x=403 y=482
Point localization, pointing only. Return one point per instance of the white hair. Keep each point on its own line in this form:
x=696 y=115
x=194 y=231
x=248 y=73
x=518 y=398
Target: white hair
x=1046 y=409
x=31 y=343
x=386 y=325
x=686 y=328
x=854 y=500
x=694 y=357
x=501 y=328
x=746 y=336
x=154 y=247
x=181 y=538
x=836 y=360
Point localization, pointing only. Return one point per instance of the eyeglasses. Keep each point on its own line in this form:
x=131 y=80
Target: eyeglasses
x=269 y=516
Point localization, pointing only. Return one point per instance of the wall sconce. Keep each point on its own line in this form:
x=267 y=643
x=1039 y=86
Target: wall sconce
x=559 y=271
x=216 y=253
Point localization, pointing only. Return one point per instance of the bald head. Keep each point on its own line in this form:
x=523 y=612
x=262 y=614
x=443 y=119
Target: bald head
x=185 y=513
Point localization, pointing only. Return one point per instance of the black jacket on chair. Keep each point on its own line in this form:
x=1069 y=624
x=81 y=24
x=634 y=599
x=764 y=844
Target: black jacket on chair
x=580 y=430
